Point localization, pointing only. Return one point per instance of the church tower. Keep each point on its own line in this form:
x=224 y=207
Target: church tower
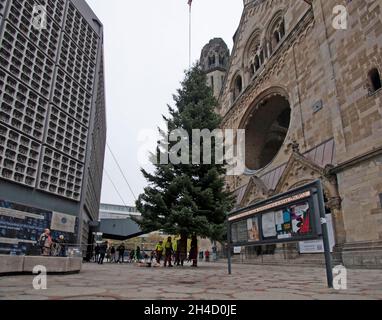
x=214 y=61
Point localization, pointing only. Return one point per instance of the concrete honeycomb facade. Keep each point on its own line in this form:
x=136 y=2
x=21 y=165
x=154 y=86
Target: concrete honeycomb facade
x=52 y=107
x=287 y=53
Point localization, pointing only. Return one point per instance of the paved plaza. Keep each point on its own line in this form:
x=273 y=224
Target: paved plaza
x=208 y=282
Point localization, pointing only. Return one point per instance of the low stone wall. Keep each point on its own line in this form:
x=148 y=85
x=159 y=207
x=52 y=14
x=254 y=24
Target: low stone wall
x=25 y=264
x=365 y=255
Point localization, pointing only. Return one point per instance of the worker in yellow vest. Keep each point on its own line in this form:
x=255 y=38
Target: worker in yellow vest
x=159 y=250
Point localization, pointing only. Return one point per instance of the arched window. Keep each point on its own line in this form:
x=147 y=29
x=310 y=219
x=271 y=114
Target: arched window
x=276 y=31
x=211 y=61
x=266 y=128
x=251 y=51
x=238 y=87
x=374 y=80
x=221 y=60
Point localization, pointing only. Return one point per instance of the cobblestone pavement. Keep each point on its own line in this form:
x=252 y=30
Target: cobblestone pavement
x=208 y=282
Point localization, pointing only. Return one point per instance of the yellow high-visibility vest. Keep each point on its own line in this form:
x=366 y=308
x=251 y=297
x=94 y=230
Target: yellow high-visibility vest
x=168 y=245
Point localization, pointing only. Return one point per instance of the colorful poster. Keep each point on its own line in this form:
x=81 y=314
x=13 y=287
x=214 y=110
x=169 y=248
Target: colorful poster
x=269 y=225
x=301 y=219
x=283 y=223
x=253 y=229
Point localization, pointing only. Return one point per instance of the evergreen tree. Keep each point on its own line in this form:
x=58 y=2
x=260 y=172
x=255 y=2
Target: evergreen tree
x=187 y=199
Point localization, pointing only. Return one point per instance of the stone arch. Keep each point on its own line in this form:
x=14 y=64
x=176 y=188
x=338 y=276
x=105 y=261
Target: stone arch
x=237 y=86
x=267 y=123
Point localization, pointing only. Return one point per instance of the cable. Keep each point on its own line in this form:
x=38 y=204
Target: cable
x=115 y=187
x=120 y=169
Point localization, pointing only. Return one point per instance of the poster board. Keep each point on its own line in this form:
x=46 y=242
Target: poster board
x=289 y=217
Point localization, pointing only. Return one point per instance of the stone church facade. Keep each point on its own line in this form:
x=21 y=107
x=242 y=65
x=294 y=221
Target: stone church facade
x=309 y=97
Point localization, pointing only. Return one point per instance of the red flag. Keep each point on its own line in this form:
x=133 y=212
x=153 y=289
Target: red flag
x=190 y=2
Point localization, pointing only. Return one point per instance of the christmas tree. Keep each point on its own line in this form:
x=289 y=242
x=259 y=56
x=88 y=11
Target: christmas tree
x=187 y=198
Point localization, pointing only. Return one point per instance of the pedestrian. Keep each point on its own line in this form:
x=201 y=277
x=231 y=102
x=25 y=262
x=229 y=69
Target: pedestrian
x=138 y=256
x=132 y=255
x=207 y=255
x=214 y=253
x=96 y=252
x=159 y=251
x=168 y=252
x=45 y=243
x=61 y=246
x=112 y=254
x=102 y=252
x=194 y=251
x=121 y=253
x=108 y=254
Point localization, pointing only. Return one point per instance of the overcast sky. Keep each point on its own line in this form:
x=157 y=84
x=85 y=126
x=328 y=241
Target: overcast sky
x=146 y=53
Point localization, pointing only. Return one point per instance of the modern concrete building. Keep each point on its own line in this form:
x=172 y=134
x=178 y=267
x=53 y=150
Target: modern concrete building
x=116 y=222
x=52 y=120
x=113 y=211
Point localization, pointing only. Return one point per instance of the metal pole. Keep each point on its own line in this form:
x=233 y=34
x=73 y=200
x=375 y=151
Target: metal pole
x=325 y=236
x=189 y=36
x=229 y=249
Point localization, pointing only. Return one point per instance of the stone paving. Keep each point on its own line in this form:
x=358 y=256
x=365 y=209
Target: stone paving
x=207 y=282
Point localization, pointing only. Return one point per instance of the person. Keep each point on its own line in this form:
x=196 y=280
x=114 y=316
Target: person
x=168 y=252
x=194 y=251
x=132 y=254
x=112 y=254
x=121 y=253
x=138 y=256
x=108 y=254
x=96 y=252
x=61 y=246
x=207 y=255
x=214 y=253
x=45 y=243
x=102 y=252
x=159 y=251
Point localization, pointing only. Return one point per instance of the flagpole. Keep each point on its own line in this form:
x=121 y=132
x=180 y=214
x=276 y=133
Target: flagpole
x=189 y=39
